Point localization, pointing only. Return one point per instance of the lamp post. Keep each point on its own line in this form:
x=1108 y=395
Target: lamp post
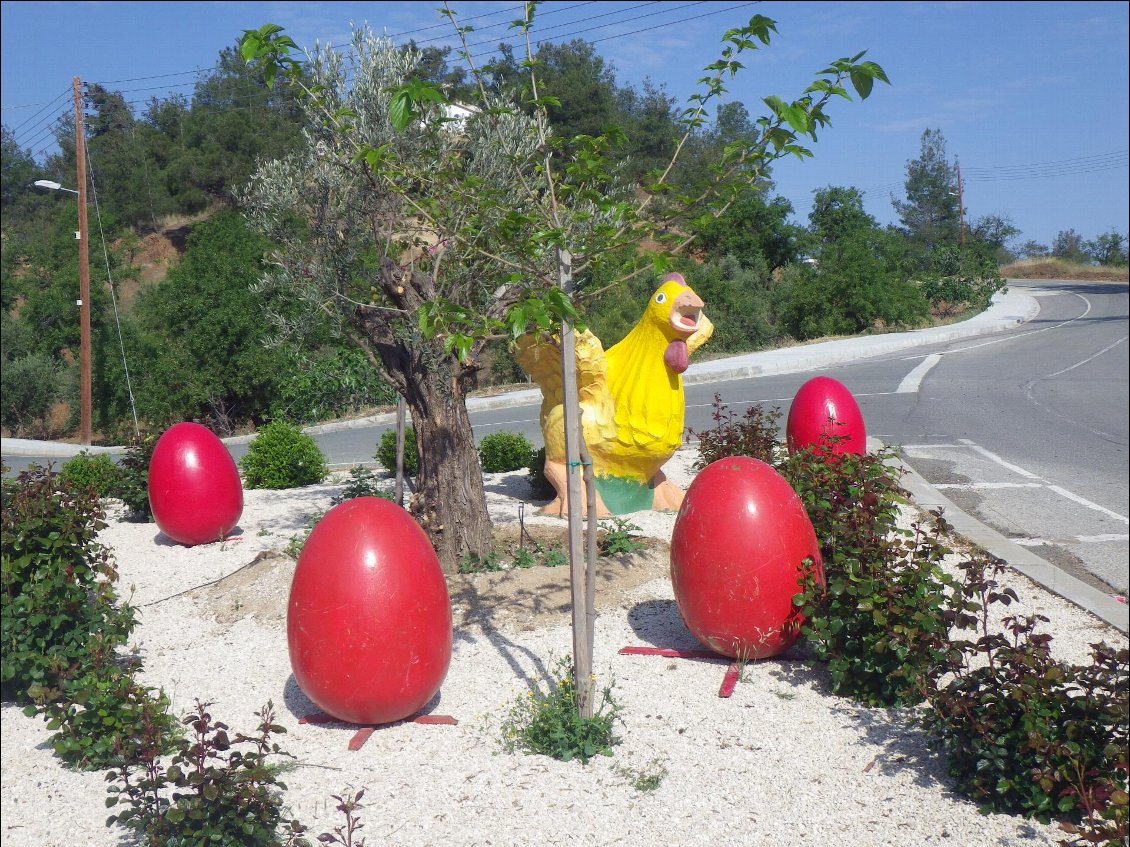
x=83 y=262
x=84 y=307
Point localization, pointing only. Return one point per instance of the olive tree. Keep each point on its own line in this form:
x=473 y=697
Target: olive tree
x=375 y=249
x=429 y=234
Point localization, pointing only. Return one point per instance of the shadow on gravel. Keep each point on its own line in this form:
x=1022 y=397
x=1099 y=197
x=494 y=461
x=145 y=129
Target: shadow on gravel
x=898 y=742
x=658 y=623
x=301 y=706
x=481 y=607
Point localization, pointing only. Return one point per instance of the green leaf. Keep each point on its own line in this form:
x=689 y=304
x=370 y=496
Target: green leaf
x=862 y=83
x=796 y=117
x=400 y=109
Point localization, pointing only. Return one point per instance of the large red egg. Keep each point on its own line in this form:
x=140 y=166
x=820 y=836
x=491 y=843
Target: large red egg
x=738 y=553
x=822 y=411
x=369 y=621
x=194 y=487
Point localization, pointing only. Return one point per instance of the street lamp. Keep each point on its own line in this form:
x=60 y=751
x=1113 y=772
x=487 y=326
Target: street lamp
x=83 y=302
x=54 y=186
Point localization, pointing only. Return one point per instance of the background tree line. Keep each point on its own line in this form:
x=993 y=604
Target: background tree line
x=198 y=343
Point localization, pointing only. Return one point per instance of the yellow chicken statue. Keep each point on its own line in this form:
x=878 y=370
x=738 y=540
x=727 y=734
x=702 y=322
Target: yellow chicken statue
x=631 y=399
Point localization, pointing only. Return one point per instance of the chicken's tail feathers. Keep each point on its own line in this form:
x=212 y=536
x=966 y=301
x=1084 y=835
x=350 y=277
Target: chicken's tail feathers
x=540 y=356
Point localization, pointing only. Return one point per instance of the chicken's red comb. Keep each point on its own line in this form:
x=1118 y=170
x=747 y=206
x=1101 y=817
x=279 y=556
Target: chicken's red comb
x=674 y=277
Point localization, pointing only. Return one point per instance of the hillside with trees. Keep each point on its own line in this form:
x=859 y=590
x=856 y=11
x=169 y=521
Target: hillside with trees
x=183 y=329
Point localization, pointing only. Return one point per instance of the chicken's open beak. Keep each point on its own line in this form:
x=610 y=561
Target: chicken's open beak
x=685 y=313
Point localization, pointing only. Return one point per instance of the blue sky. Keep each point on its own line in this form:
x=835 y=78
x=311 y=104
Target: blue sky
x=1032 y=98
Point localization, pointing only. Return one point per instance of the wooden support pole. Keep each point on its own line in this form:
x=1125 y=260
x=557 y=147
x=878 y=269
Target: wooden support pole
x=578 y=572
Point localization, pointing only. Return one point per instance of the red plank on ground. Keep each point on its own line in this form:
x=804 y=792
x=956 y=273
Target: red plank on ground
x=358 y=740
x=669 y=652
x=362 y=735
x=729 y=680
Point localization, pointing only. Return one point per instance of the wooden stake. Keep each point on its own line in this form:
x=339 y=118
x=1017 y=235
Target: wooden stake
x=578 y=573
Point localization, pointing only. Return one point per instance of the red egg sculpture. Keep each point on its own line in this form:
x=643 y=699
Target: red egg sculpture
x=194 y=487
x=738 y=553
x=369 y=620
x=825 y=416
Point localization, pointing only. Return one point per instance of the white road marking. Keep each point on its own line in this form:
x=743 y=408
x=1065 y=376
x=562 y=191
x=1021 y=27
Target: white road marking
x=1039 y=483
x=1078 y=364
x=973 y=486
x=1071 y=539
x=976 y=448
x=1063 y=492
x=912 y=380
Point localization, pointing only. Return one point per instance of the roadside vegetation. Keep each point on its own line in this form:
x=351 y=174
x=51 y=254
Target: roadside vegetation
x=192 y=325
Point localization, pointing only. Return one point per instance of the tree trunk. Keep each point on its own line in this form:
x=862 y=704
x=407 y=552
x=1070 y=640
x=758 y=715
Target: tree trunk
x=449 y=500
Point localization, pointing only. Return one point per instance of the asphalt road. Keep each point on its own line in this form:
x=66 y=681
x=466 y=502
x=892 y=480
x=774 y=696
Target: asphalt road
x=1023 y=427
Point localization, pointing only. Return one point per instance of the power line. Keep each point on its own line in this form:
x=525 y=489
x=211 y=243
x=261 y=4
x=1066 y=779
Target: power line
x=1096 y=159
x=520 y=36
x=48 y=121
x=1041 y=170
x=726 y=7
x=562 y=9
x=672 y=23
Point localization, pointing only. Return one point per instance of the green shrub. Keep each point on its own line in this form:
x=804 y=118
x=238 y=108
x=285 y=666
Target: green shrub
x=554 y=557
x=540 y=486
x=546 y=721
x=60 y=612
x=282 y=456
x=1024 y=733
x=299 y=539
x=134 y=480
x=618 y=538
x=882 y=623
x=362 y=483
x=95 y=472
x=490 y=563
x=105 y=718
x=502 y=452
x=28 y=387
x=852 y=500
x=386 y=451
x=961 y=277
x=211 y=793
x=754 y=435
x=326 y=383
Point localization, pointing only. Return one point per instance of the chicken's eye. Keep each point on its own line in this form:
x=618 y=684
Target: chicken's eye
x=660 y=297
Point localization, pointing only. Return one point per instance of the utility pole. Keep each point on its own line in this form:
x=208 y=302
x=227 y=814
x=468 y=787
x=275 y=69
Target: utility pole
x=83 y=270
x=960 y=205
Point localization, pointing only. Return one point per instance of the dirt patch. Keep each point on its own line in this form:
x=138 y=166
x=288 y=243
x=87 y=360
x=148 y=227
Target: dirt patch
x=1054 y=270
x=517 y=599
x=532 y=598
x=156 y=254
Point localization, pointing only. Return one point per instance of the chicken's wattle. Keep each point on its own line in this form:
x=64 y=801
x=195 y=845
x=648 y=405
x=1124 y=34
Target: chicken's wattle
x=676 y=356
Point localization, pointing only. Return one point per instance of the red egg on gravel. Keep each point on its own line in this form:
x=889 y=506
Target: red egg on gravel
x=369 y=619
x=824 y=415
x=194 y=487
x=738 y=552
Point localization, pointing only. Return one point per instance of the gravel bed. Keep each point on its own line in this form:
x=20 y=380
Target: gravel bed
x=780 y=761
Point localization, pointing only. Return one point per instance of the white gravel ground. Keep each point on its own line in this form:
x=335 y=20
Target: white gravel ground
x=779 y=762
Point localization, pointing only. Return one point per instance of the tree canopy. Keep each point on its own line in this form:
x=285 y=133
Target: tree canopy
x=931 y=213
